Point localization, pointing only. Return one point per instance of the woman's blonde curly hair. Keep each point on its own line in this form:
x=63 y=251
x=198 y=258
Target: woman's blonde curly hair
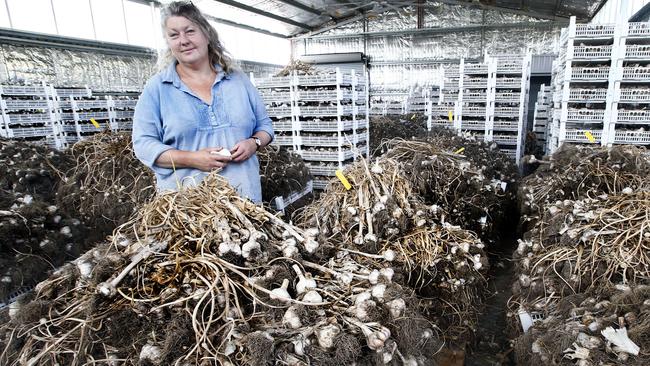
x=217 y=53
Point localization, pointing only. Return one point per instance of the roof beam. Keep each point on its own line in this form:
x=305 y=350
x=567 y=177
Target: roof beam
x=244 y=26
x=263 y=13
x=468 y=28
x=503 y=9
x=302 y=6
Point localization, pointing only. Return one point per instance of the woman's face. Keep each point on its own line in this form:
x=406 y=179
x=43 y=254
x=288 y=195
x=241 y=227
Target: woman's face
x=186 y=41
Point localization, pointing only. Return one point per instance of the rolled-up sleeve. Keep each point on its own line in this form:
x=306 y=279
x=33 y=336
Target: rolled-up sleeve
x=147 y=131
x=262 y=120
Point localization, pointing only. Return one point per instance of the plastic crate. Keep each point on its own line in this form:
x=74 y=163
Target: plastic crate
x=580 y=136
x=442 y=123
x=476 y=83
x=322 y=170
x=280 y=203
x=284 y=140
x=599 y=73
x=73 y=92
x=125 y=103
x=638 y=29
x=510 y=83
x=320 y=184
x=326 y=111
x=96 y=115
x=275 y=97
x=637 y=51
x=21 y=105
x=323 y=95
x=510 y=68
x=283 y=125
x=277 y=112
x=502 y=97
x=635 y=95
x=124 y=126
x=475 y=96
x=473 y=111
x=585 y=115
x=507 y=112
x=511 y=153
x=27 y=90
x=24 y=132
x=91 y=128
x=441 y=110
x=472 y=125
x=123 y=114
x=587 y=95
x=595 y=30
x=592 y=52
x=505 y=139
x=324 y=79
x=22 y=119
x=333 y=155
x=505 y=125
x=633 y=116
x=273 y=82
x=631 y=73
x=476 y=69
x=327 y=141
x=632 y=137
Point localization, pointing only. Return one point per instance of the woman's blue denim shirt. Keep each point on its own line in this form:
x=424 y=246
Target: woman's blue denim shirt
x=169 y=115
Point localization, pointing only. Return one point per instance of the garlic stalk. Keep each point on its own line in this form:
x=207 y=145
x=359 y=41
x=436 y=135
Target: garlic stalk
x=376 y=334
x=281 y=293
x=388 y=255
x=305 y=283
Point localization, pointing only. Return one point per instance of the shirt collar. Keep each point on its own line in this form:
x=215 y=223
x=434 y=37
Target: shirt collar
x=170 y=75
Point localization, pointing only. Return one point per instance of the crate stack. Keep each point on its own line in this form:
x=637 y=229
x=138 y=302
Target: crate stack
x=332 y=112
x=29 y=112
x=476 y=99
x=389 y=102
x=630 y=121
x=122 y=107
x=542 y=118
x=442 y=113
x=81 y=114
x=278 y=95
x=510 y=107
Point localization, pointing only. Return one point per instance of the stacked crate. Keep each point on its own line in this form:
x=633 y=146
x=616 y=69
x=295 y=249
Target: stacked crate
x=324 y=119
x=476 y=99
x=601 y=88
x=541 y=120
x=29 y=112
x=122 y=107
x=81 y=114
x=388 y=102
x=510 y=112
x=442 y=113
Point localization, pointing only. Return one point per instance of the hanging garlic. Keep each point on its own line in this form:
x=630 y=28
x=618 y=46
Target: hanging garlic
x=281 y=293
x=304 y=283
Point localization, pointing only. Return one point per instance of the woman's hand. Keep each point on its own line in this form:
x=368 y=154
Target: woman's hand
x=243 y=150
x=210 y=158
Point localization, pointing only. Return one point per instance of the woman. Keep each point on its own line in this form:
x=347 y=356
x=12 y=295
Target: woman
x=195 y=111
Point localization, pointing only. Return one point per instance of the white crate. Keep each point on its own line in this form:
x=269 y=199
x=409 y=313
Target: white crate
x=631 y=73
x=505 y=97
x=585 y=115
x=510 y=68
x=511 y=153
x=327 y=141
x=441 y=110
x=273 y=82
x=587 y=95
x=277 y=112
x=640 y=95
x=123 y=114
x=97 y=115
x=476 y=69
x=323 y=170
x=637 y=51
x=320 y=184
x=472 y=125
x=475 y=96
x=633 y=116
x=639 y=29
x=326 y=111
x=24 y=132
x=512 y=83
x=595 y=30
x=333 y=155
x=473 y=111
x=280 y=203
x=125 y=103
x=580 y=136
x=74 y=92
x=632 y=137
x=34 y=118
x=124 y=126
x=475 y=83
x=324 y=95
x=507 y=112
x=324 y=79
x=598 y=73
x=282 y=125
x=19 y=105
x=592 y=52
x=91 y=128
x=283 y=140
x=505 y=139
x=27 y=90
x=442 y=123
x=505 y=125
x=270 y=96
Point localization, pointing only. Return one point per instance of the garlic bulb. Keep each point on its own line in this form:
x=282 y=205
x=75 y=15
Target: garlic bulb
x=291 y=318
x=312 y=297
x=373 y=277
x=326 y=335
x=396 y=307
x=387 y=273
x=378 y=291
x=304 y=283
x=281 y=293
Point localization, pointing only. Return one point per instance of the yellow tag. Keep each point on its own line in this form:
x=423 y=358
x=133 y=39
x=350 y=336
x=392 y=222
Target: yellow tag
x=459 y=150
x=343 y=179
x=451 y=116
x=590 y=137
x=412 y=117
x=92 y=120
